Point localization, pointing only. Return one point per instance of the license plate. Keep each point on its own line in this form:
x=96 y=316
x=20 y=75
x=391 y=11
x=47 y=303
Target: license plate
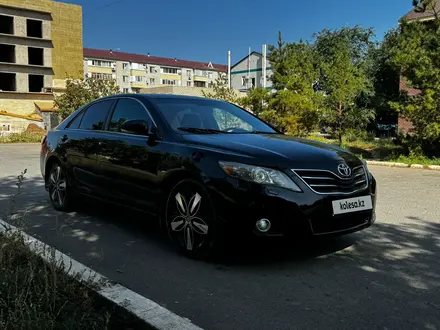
x=355 y=204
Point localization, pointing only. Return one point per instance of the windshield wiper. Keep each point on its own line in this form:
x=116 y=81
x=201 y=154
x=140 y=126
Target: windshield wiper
x=200 y=130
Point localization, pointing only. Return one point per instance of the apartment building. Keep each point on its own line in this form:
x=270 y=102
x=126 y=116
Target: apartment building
x=40 y=45
x=133 y=72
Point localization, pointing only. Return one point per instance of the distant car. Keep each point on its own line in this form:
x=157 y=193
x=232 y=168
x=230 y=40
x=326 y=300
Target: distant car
x=205 y=168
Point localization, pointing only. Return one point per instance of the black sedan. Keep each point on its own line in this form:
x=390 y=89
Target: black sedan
x=205 y=168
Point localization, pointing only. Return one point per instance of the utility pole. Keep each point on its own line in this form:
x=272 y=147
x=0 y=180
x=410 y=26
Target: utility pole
x=249 y=69
x=229 y=69
x=264 y=66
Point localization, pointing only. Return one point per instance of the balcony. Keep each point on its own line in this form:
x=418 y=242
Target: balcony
x=199 y=78
x=137 y=84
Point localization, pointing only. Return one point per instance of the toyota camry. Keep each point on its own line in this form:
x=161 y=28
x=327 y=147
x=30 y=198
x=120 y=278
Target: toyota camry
x=205 y=168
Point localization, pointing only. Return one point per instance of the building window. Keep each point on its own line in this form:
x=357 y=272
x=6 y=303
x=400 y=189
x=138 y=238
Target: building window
x=35 y=56
x=152 y=81
x=169 y=82
x=189 y=73
x=5 y=128
x=7 y=82
x=105 y=64
x=253 y=82
x=34 y=28
x=7 y=53
x=6 y=24
x=210 y=75
x=125 y=90
x=209 y=85
x=36 y=83
x=153 y=69
x=199 y=84
x=139 y=79
x=124 y=66
x=169 y=70
x=126 y=79
x=243 y=81
x=102 y=76
x=188 y=83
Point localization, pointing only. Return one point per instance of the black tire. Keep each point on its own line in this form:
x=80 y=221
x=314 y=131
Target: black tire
x=59 y=190
x=191 y=220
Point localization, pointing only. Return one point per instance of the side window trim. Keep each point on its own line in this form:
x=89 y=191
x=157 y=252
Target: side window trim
x=79 y=114
x=114 y=108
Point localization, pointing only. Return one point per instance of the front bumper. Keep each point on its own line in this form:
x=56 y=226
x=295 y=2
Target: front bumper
x=240 y=204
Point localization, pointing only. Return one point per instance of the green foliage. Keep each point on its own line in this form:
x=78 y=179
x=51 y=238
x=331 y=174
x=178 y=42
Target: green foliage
x=344 y=77
x=221 y=91
x=293 y=108
x=256 y=100
x=21 y=138
x=416 y=54
x=79 y=92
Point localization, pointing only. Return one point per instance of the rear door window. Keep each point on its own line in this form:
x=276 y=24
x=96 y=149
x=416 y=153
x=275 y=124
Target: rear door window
x=96 y=115
x=74 y=124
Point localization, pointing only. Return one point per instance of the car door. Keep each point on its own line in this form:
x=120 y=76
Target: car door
x=84 y=138
x=129 y=160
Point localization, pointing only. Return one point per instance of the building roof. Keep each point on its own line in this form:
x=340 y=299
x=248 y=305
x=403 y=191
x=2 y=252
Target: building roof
x=138 y=58
x=413 y=15
x=244 y=58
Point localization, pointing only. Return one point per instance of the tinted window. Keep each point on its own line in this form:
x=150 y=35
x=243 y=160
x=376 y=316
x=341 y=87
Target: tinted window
x=125 y=110
x=74 y=124
x=209 y=114
x=94 y=118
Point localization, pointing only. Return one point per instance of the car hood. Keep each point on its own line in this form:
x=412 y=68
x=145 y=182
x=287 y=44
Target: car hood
x=275 y=149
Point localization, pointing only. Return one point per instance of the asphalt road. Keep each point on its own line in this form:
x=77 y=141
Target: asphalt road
x=386 y=277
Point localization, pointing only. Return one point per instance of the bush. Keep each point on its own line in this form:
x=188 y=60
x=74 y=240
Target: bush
x=24 y=137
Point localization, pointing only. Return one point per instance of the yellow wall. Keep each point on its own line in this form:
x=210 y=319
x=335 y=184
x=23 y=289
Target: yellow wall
x=138 y=85
x=137 y=72
x=42 y=5
x=98 y=69
x=200 y=78
x=67 y=54
x=21 y=103
x=169 y=76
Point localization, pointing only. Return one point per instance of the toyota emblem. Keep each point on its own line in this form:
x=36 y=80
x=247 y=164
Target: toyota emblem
x=344 y=170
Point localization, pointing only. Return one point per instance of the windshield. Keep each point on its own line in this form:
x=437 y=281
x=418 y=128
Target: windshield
x=209 y=116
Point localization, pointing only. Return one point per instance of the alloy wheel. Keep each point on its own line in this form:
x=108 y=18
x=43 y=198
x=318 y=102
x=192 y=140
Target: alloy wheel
x=57 y=186
x=190 y=218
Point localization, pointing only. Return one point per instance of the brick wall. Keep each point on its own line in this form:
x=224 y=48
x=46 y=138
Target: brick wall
x=404 y=125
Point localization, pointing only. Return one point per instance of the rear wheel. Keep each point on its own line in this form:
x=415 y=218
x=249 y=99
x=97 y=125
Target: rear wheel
x=59 y=190
x=191 y=219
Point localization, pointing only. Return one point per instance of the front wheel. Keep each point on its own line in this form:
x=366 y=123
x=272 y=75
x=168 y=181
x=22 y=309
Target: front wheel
x=59 y=190
x=191 y=219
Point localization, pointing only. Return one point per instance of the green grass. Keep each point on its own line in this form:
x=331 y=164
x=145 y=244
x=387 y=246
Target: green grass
x=21 y=138
x=422 y=160
x=39 y=294
x=382 y=149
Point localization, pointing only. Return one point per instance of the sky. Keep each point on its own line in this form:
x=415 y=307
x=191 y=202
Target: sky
x=204 y=30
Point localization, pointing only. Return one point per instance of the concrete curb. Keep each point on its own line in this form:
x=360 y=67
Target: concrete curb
x=151 y=313
x=403 y=165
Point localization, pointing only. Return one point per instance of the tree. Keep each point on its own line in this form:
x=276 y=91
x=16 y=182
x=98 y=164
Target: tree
x=79 y=92
x=221 y=91
x=344 y=79
x=416 y=55
x=256 y=100
x=293 y=108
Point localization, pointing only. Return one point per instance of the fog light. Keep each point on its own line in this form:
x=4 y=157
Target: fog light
x=263 y=225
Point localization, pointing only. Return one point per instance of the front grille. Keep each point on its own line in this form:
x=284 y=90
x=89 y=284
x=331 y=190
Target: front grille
x=327 y=182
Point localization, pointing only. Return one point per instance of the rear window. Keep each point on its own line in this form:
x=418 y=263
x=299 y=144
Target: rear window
x=95 y=116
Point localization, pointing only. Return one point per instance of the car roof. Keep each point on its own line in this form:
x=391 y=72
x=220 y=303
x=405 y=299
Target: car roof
x=160 y=96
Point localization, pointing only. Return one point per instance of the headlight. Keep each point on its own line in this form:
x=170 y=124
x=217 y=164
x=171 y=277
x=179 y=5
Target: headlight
x=259 y=175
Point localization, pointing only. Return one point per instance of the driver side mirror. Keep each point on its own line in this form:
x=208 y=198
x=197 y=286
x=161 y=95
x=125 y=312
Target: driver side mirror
x=138 y=127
